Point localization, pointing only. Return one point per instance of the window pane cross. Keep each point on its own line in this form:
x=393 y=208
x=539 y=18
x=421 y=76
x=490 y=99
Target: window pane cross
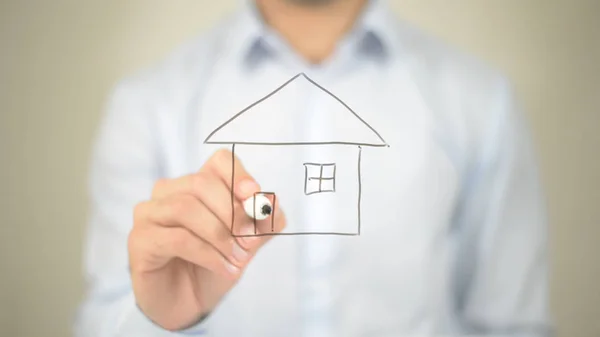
x=319 y=178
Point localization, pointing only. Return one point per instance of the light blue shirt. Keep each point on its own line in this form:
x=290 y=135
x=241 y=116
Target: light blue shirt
x=453 y=230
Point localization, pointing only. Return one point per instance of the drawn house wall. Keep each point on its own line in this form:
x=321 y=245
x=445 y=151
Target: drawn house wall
x=324 y=185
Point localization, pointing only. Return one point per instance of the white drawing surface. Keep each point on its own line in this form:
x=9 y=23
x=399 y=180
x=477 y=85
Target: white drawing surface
x=283 y=160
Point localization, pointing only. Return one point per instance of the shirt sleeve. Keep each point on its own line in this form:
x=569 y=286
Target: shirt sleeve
x=125 y=164
x=501 y=279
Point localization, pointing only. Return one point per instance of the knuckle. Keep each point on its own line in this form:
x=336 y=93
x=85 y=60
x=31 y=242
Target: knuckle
x=221 y=157
x=131 y=240
x=139 y=213
x=135 y=242
x=159 y=185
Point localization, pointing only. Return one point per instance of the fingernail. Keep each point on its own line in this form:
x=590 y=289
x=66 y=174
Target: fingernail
x=248 y=187
x=231 y=268
x=239 y=253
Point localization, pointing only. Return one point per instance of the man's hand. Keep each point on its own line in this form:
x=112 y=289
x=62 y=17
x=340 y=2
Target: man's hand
x=182 y=255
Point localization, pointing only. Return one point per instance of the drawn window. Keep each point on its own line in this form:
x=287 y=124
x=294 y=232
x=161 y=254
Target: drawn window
x=319 y=178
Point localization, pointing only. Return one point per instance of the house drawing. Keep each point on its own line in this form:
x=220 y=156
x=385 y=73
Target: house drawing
x=328 y=182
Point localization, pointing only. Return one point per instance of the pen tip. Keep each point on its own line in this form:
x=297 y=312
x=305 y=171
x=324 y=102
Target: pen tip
x=266 y=210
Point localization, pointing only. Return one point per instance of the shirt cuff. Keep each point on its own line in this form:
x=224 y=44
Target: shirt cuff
x=135 y=323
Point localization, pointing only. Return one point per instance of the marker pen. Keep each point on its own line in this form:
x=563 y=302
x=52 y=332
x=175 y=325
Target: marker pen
x=258 y=207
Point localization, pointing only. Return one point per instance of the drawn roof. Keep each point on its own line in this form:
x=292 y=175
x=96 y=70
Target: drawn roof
x=345 y=126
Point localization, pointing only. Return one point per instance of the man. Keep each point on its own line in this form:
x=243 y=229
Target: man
x=453 y=239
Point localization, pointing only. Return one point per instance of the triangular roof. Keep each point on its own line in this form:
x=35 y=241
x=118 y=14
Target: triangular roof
x=241 y=128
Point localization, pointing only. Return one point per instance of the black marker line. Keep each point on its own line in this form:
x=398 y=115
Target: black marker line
x=254 y=211
x=346 y=105
x=305 y=178
x=207 y=140
x=250 y=107
x=299 y=233
x=273 y=213
x=333 y=178
x=266 y=193
x=232 y=186
x=296 y=143
x=317 y=164
x=320 y=178
x=359 y=186
x=315 y=192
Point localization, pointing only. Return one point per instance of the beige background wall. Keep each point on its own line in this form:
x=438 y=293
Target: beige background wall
x=58 y=58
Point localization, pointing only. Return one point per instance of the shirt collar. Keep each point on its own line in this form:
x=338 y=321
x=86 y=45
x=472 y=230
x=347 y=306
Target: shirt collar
x=375 y=30
x=372 y=34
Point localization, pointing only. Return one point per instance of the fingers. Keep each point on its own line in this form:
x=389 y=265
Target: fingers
x=230 y=170
x=210 y=191
x=154 y=246
x=206 y=187
x=211 y=186
x=184 y=210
